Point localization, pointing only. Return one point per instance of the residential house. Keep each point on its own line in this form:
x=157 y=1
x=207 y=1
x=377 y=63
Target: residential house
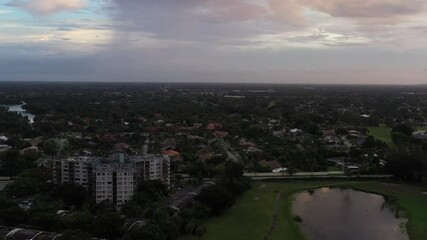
x=214 y=126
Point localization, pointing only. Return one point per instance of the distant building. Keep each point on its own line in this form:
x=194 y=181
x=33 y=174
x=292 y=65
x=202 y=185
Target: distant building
x=220 y=134
x=295 y=131
x=420 y=134
x=214 y=126
x=114 y=178
x=3 y=138
x=172 y=154
x=205 y=154
x=279 y=170
x=75 y=170
x=352 y=169
x=329 y=133
x=153 y=167
x=270 y=164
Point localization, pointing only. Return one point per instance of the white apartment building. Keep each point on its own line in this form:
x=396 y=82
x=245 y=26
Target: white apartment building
x=75 y=170
x=153 y=167
x=113 y=178
x=114 y=182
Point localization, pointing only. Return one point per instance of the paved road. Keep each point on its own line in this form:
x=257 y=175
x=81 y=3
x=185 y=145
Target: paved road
x=3 y=184
x=295 y=174
x=305 y=175
x=231 y=153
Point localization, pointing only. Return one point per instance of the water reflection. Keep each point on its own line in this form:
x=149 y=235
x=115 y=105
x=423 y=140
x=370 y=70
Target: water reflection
x=18 y=108
x=337 y=214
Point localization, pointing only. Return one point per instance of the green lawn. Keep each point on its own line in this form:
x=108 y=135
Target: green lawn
x=382 y=133
x=334 y=168
x=252 y=214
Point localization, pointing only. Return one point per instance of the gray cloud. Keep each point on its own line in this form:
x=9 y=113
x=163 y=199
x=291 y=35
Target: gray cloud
x=49 y=7
x=207 y=20
x=213 y=40
x=370 y=12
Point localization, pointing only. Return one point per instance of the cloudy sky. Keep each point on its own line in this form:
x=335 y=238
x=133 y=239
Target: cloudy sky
x=269 y=41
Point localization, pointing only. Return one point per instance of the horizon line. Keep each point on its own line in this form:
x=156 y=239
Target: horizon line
x=219 y=82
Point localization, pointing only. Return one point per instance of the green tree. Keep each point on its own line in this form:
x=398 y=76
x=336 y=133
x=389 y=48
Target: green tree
x=400 y=138
x=13 y=216
x=404 y=129
x=149 y=192
x=78 y=220
x=50 y=148
x=216 y=198
x=75 y=235
x=107 y=225
x=71 y=194
x=405 y=163
x=46 y=220
x=131 y=209
x=199 y=231
x=29 y=183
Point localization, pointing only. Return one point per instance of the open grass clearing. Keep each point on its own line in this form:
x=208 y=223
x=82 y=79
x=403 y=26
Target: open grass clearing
x=382 y=133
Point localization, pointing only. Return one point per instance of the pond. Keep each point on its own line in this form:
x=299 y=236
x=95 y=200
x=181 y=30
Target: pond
x=21 y=111
x=337 y=214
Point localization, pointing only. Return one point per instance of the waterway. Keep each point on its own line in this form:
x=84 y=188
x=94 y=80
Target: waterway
x=337 y=214
x=18 y=108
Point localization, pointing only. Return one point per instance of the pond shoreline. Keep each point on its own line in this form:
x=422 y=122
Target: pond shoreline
x=19 y=109
x=319 y=214
x=404 y=214
x=255 y=208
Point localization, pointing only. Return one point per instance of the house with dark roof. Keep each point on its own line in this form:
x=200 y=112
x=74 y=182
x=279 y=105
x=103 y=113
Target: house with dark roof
x=26 y=234
x=12 y=233
x=187 y=197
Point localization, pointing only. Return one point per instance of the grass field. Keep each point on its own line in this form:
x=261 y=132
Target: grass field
x=252 y=214
x=382 y=133
x=334 y=168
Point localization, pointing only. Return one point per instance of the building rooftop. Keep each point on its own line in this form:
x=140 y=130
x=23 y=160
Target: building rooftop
x=87 y=159
x=145 y=157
